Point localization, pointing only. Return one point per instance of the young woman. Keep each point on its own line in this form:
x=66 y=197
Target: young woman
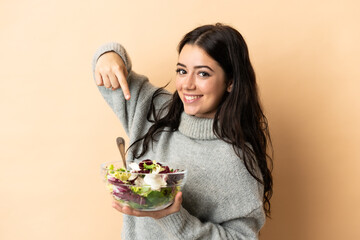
x=213 y=124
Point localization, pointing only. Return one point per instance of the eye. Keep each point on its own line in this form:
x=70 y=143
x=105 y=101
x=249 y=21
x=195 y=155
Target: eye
x=180 y=71
x=204 y=74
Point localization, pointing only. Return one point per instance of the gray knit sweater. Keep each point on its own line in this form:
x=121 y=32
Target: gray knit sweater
x=221 y=200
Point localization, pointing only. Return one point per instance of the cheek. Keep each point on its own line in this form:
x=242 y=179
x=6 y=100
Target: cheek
x=214 y=92
x=208 y=88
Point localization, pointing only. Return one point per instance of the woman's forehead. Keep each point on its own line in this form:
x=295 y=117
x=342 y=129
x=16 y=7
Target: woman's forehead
x=193 y=55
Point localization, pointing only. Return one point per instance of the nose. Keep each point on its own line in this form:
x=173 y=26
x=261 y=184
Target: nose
x=189 y=82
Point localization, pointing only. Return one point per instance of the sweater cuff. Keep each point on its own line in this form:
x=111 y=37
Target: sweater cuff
x=113 y=47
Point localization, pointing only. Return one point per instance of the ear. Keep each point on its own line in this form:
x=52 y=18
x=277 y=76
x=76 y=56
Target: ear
x=229 y=87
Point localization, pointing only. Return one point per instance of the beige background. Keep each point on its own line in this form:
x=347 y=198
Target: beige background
x=56 y=129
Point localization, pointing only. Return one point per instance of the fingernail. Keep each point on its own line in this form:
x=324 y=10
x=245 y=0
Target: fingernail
x=127 y=97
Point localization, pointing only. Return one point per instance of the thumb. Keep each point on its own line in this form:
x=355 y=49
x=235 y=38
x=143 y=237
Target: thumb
x=178 y=200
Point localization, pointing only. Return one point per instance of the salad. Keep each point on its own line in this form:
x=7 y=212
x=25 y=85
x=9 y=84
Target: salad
x=148 y=186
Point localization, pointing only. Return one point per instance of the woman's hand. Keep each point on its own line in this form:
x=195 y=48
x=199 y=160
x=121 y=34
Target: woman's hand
x=175 y=207
x=110 y=71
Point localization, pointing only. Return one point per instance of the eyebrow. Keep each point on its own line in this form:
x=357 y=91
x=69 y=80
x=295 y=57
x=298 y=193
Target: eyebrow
x=199 y=66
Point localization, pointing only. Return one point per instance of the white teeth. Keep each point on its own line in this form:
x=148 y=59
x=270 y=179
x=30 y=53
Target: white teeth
x=189 y=98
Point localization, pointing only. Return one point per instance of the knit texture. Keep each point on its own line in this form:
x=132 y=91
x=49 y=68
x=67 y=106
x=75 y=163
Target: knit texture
x=221 y=200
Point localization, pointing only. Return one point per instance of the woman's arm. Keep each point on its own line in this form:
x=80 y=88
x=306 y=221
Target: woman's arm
x=116 y=81
x=178 y=223
x=182 y=225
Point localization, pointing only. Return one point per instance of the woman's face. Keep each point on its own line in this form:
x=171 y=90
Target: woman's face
x=200 y=82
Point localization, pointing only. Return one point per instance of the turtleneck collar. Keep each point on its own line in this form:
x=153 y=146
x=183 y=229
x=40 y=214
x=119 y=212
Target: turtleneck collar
x=197 y=128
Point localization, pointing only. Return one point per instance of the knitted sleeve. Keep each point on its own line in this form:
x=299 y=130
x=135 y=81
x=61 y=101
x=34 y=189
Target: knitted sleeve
x=182 y=225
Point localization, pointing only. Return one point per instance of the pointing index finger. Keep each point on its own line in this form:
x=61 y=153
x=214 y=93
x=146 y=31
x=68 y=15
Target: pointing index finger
x=122 y=78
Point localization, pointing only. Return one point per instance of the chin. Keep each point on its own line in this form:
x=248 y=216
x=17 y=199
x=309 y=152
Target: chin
x=192 y=113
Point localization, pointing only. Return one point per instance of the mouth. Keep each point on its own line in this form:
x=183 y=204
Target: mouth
x=191 y=98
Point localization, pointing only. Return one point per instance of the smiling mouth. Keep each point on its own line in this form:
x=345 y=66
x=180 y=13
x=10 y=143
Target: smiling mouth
x=190 y=99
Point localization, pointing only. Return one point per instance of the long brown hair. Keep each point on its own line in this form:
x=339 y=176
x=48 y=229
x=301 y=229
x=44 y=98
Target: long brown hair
x=239 y=119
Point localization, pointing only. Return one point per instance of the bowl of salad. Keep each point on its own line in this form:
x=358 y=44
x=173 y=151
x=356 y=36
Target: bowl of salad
x=144 y=186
